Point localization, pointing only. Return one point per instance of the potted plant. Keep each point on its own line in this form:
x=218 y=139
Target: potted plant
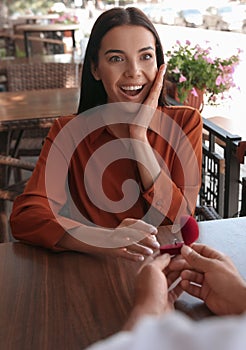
x=192 y=72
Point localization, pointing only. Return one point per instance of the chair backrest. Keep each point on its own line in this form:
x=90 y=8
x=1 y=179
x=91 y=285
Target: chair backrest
x=43 y=75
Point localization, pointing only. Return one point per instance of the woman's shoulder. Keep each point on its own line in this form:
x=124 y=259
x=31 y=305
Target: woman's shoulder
x=59 y=123
x=182 y=114
x=178 y=110
x=63 y=120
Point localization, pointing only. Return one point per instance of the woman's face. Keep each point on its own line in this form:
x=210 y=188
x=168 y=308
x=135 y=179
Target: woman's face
x=127 y=63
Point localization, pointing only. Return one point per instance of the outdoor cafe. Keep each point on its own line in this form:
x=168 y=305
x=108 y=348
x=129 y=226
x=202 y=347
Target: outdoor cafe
x=47 y=297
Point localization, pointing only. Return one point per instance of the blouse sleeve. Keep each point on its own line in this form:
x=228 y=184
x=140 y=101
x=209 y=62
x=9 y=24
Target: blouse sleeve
x=32 y=219
x=174 y=192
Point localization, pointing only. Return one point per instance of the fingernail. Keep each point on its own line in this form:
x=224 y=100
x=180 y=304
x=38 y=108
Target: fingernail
x=153 y=230
x=156 y=244
x=186 y=249
x=163 y=68
x=149 y=251
x=141 y=258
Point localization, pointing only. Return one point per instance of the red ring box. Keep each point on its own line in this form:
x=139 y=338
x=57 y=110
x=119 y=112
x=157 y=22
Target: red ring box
x=190 y=233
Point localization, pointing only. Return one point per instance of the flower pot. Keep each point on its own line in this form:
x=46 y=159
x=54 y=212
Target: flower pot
x=191 y=100
x=67 y=33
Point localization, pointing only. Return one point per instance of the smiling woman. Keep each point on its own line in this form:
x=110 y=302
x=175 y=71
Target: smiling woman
x=126 y=163
x=127 y=67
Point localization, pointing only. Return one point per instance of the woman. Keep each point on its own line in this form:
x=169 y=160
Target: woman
x=91 y=163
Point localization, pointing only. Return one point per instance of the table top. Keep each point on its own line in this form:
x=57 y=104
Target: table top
x=47 y=27
x=38 y=17
x=69 y=300
x=18 y=107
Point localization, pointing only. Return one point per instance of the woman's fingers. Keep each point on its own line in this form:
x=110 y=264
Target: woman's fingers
x=152 y=99
x=150 y=241
x=149 y=106
x=139 y=225
x=129 y=255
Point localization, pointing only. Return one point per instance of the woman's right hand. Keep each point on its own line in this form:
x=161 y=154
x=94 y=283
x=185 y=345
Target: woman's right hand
x=142 y=239
x=132 y=239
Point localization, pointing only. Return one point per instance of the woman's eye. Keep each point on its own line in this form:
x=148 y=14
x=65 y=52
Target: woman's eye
x=116 y=59
x=147 y=56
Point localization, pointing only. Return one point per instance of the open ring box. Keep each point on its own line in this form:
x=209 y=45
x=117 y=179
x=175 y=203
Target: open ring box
x=189 y=232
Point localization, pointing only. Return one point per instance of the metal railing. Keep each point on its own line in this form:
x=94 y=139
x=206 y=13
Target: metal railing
x=222 y=186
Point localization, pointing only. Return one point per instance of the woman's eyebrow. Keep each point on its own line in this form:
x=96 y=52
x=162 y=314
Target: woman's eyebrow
x=122 y=52
x=113 y=51
x=146 y=49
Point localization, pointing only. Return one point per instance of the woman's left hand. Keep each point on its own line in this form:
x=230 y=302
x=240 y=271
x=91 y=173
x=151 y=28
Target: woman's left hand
x=147 y=163
x=143 y=118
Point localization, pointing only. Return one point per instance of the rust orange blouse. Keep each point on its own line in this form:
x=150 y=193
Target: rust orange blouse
x=82 y=178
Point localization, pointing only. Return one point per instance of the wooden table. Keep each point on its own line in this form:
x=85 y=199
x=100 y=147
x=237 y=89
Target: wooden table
x=40 y=28
x=20 y=109
x=70 y=300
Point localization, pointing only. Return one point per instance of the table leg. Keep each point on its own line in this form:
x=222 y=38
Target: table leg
x=4 y=150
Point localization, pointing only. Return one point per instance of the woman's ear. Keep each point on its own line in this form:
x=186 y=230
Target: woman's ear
x=94 y=72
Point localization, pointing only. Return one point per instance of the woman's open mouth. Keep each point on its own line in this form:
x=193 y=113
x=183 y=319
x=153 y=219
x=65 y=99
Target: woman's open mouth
x=132 y=90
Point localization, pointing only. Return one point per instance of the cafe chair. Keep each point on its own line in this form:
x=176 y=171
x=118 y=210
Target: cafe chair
x=43 y=75
x=10 y=190
x=36 y=76
x=206 y=212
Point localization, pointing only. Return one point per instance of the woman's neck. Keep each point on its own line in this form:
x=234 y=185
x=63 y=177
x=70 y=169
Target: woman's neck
x=119 y=130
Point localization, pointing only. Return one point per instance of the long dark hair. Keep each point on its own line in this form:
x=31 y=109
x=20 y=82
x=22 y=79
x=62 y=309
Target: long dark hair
x=92 y=91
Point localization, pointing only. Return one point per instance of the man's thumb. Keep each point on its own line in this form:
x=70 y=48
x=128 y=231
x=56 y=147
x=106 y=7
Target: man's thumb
x=194 y=259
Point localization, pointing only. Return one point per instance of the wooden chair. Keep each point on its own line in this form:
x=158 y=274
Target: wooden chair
x=10 y=190
x=43 y=75
x=36 y=76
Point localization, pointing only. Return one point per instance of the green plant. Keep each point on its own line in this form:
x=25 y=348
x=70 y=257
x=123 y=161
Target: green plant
x=192 y=67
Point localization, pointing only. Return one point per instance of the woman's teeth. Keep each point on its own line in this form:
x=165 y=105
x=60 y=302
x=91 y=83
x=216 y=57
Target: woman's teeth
x=132 y=90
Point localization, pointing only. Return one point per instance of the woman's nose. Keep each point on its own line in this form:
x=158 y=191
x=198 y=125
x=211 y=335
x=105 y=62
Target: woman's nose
x=133 y=69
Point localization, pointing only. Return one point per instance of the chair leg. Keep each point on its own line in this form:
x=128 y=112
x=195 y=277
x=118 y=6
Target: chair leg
x=4 y=227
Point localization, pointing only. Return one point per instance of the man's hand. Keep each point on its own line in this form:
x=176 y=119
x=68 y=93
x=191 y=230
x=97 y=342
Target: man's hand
x=213 y=277
x=151 y=289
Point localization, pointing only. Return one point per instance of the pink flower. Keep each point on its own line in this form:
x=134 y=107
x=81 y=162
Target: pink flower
x=188 y=42
x=208 y=59
x=176 y=70
x=182 y=78
x=219 y=80
x=194 y=92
